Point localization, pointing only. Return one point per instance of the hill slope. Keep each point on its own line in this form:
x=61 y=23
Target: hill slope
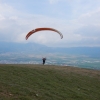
x=38 y=82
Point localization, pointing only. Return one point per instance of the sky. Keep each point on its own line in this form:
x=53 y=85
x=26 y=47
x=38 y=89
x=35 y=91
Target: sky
x=77 y=20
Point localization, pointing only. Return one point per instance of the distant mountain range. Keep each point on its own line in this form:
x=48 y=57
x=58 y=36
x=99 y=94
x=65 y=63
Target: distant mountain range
x=38 y=48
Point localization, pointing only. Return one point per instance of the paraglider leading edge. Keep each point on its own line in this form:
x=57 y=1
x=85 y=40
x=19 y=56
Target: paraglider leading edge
x=43 y=29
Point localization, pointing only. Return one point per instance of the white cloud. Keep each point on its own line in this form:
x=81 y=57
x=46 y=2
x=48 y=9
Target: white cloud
x=81 y=29
x=2 y=17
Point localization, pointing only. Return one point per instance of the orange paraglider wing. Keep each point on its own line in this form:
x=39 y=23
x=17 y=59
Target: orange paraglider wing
x=43 y=29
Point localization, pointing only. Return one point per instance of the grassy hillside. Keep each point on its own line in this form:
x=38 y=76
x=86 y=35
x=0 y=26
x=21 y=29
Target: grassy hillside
x=38 y=82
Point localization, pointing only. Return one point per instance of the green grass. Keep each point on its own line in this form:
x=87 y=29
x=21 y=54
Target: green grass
x=38 y=82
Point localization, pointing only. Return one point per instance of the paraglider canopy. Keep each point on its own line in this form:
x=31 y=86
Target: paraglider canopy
x=43 y=29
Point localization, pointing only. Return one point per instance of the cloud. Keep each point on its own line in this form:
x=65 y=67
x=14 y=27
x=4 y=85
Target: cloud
x=91 y=17
x=90 y=26
x=80 y=27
